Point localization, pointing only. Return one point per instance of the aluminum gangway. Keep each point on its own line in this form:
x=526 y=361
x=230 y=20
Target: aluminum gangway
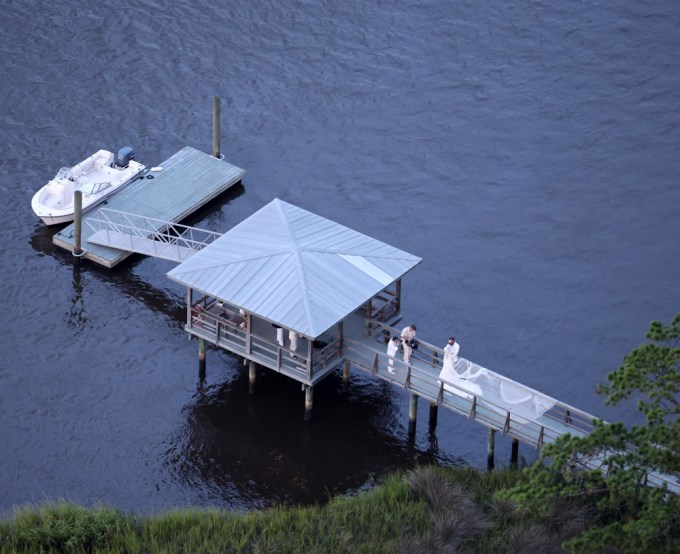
x=147 y=235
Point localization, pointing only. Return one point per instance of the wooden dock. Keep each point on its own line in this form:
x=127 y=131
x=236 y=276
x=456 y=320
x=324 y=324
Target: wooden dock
x=189 y=180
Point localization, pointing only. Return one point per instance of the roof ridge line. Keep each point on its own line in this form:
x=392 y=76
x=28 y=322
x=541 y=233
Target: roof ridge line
x=296 y=252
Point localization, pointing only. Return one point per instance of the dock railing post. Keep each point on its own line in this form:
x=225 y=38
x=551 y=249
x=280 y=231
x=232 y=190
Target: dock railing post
x=77 y=222
x=216 y=126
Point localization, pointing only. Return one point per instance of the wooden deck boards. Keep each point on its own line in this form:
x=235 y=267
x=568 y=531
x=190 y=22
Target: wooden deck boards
x=189 y=180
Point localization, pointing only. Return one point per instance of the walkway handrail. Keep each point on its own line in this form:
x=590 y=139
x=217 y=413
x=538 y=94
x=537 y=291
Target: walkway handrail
x=149 y=228
x=435 y=355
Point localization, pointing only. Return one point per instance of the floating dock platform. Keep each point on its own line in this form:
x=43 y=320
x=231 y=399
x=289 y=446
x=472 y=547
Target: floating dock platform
x=189 y=180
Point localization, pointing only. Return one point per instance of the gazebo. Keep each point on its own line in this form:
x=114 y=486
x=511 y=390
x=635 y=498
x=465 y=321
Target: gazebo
x=283 y=287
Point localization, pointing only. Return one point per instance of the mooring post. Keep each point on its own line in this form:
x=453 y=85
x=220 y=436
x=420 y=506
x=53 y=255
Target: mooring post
x=345 y=376
x=412 y=413
x=308 y=402
x=514 y=453
x=433 y=415
x=77 y=222
x=216 y=126
x=201 y=355
x=252 y=374
x=490 y=450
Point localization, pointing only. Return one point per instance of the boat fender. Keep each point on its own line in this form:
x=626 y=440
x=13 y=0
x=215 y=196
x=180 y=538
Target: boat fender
x=149 y=176
x=156 y=169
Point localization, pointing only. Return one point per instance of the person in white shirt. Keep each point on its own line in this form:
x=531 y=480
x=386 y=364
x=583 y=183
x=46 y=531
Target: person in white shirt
x=450 y=355
x=407 y=334
x=392 y=348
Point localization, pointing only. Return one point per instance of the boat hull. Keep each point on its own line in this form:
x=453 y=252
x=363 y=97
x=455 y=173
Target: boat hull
x=97 y=177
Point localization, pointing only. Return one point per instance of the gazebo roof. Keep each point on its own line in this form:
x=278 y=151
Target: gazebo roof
x=294 y=268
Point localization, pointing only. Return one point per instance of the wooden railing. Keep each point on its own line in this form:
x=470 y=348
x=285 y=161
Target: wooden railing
x=224 y=327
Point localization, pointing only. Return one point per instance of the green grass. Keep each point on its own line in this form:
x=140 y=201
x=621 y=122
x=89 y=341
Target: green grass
x=427 y=510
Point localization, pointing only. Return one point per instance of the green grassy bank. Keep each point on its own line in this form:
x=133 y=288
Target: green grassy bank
x=427 y=510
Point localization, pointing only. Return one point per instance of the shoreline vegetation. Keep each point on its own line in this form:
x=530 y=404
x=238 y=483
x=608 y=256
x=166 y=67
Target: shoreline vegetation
x=555 y=505
x=429 y=509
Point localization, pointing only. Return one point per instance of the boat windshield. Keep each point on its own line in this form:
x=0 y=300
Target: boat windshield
x=64 y=173
x=94 y=188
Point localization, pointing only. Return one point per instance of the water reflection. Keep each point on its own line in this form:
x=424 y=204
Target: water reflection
x=256 y=451
x=76 y=317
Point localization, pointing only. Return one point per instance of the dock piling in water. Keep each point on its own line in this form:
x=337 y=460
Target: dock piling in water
x=77 y=222
x=433 y=415
x=490 y=449
x=309 y=398
x=216 y=126
x=252 y=376
x=345 y=376
x=514 y=453
x=201 y=355
x=412 y=413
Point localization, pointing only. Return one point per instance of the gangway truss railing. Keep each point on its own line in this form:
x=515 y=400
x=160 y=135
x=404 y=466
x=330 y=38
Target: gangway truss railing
x=147 y=235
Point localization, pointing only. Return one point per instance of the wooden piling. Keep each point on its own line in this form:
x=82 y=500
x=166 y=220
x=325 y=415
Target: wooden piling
x=308 y=403
x=490 y=449
x=201 y=356
x=77 y=223
x=514 y=453
x=412 y=413
x=216 y=126
x=252 y=375
x=345 y=376
x=433 y=414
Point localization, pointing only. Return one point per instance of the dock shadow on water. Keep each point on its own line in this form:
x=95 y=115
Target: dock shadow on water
x=256 y=450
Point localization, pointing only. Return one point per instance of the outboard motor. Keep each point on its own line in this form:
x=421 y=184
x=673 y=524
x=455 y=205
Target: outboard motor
x=124 y=156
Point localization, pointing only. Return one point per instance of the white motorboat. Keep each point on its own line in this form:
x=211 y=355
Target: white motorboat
x=97 y=177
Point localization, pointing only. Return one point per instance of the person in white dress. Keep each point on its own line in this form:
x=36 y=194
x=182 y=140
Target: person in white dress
x=279 y=335
x=392 y=348
x=407 y=334
x=293 y=338
x=450 y=355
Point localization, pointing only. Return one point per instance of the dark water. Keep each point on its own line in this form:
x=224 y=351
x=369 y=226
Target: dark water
x=527 y=151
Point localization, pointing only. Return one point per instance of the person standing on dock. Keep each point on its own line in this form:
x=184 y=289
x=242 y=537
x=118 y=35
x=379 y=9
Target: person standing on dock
x=450 y=355
x=407 y=335
x=293 y=337
x=392 y=348
x=279 y=335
